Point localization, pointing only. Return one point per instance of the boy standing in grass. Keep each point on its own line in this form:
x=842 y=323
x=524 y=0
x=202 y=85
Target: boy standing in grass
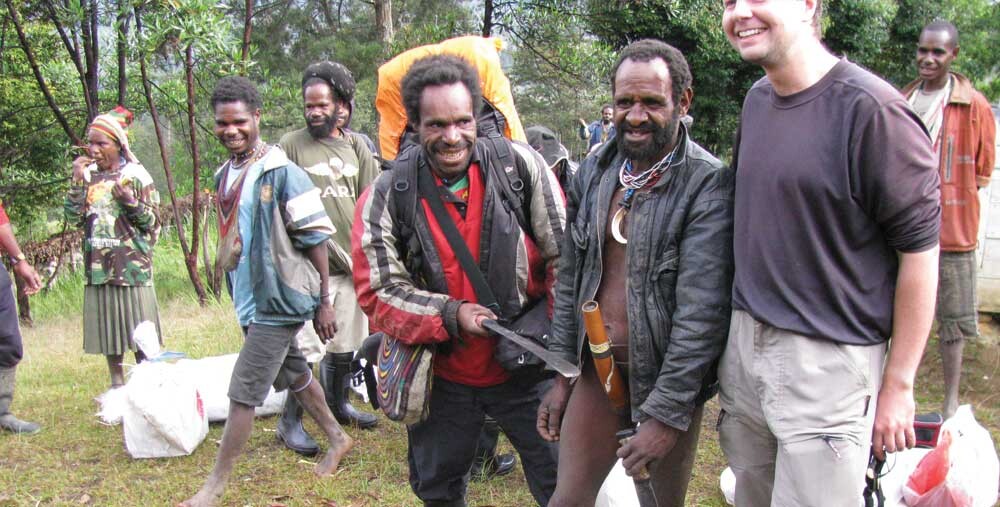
x=270 y=212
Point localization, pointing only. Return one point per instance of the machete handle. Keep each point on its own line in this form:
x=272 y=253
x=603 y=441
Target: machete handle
x=623 y=437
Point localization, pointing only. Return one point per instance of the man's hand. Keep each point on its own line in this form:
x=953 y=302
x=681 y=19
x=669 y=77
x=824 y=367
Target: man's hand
x=469 y=317
x=653 y=441
x=124 y=193
x=583 y=123
x=551 y=409
x=79 y=167
x=27 y=274
x=893 y=429
x=323 y=322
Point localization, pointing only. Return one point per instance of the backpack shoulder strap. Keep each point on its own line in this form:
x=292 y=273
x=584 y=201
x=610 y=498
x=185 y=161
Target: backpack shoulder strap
x=512 y=175
x=404 y=192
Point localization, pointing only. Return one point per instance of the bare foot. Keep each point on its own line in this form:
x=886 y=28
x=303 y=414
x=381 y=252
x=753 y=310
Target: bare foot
x=203 y=498
x=338 y=449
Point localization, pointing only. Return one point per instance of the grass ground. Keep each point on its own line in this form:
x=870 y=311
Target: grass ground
x=76 y=460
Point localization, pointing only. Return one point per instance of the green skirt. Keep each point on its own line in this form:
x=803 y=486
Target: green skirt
x=112 y=312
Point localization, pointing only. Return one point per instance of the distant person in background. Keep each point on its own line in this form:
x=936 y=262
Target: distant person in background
x=341 y=166
x=600 y=130
x=546 y=142
x=344 y=122
x=113 y=199
x=962 y=128
x=10 y=333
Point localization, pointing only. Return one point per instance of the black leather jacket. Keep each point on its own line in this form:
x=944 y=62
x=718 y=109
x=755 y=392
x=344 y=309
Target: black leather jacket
x=680 y=269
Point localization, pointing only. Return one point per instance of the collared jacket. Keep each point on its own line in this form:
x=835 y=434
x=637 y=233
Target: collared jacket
x=966 y=156
x=288 y=218
x=400 y=274
x=680 y=272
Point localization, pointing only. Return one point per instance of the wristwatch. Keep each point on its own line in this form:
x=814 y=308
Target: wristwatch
x=14 y=259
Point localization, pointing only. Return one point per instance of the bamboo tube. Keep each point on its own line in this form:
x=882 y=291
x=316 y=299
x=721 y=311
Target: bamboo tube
x=604 y=362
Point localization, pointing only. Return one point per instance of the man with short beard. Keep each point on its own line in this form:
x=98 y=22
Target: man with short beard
x=341 y=166
x=650 y=239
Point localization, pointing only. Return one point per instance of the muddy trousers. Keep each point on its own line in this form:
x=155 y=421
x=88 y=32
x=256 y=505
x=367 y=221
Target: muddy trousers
x=797 y=415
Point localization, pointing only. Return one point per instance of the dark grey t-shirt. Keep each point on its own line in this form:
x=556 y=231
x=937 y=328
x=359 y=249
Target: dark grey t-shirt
x=830 y=183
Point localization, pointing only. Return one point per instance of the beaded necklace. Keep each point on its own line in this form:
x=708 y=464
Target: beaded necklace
x=241 y=160
x=632 y=183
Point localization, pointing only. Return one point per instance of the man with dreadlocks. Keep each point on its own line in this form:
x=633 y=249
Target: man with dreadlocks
x=341 y=166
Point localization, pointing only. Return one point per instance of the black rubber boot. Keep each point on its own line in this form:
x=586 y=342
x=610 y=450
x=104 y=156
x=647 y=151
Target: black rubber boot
x=7 y=420
x=290 y=431
x=335 y=374
x=488 y=463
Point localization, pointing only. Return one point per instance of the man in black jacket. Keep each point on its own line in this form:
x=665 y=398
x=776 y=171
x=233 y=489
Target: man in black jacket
x=650 y=219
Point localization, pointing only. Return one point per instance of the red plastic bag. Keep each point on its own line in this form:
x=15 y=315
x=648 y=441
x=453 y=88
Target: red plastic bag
x=941 y=478
x=933 y=469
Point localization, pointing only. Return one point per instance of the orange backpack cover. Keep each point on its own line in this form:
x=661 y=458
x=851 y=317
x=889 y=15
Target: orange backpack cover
x=484 y=55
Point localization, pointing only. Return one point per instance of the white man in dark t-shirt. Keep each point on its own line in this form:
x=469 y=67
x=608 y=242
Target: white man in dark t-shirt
x=836 y=245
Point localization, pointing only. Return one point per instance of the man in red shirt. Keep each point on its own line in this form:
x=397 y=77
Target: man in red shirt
x=412 y=287
x=10 y=334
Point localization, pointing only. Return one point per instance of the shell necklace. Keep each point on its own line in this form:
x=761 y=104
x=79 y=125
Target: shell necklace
x=632 y=183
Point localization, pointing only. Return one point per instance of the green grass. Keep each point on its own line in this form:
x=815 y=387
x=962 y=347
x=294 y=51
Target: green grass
x=76 y=460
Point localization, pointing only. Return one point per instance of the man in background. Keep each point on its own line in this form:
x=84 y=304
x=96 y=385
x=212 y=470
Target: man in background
x=341 y=166
x=600 y=130
x=963 y=131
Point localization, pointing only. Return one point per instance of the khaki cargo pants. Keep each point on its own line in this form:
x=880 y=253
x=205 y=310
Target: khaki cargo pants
x=797 y=415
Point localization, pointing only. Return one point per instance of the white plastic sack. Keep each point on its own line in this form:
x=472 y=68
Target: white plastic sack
x=727 y=483
x=113 y=403
x=618 y=489
x=164 y=415
x=974 y=469
x=211 y=375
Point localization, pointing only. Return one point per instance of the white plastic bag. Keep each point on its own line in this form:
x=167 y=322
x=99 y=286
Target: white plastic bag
x=211 y=375
x=727 y=483
x=164 y=415
x=973 y=468
x=618 y=489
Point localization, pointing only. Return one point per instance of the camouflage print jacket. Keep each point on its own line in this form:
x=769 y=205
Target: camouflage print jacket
x=118 y=239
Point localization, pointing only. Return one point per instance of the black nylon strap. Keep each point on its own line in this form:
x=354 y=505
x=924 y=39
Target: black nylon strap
x=428 y=189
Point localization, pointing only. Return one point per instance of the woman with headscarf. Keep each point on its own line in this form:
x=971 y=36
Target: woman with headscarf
x=113 y=199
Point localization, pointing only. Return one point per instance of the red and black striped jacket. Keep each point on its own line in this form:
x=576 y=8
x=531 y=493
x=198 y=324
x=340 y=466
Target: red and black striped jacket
x=417 y=302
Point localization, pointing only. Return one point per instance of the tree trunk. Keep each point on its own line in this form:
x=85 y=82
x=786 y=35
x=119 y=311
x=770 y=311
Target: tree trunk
x=74 y=53
x=383 y=20
x=191 y=257
x=91 y=48
x=214 y=276
x=247 y=29
x=487 y=18
x=122 y=23
x=30 y=54
x=167 y=171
